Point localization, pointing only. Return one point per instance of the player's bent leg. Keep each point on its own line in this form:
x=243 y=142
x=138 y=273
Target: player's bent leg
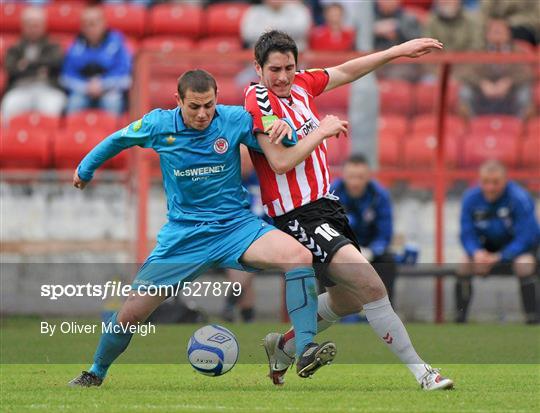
x=351 y=270
x=463 y=292
x=278 y=250
x=115 y=339
x=524 y=266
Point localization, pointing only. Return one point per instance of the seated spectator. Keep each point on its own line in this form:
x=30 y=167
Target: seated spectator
x=499 y=232
x=497 y=88
x=32 y=66
x=291 y=16
x=453 y=26
x=333 y=35
x=394 y=25
x=369 y=210
x=97 y=67
x=523 y=16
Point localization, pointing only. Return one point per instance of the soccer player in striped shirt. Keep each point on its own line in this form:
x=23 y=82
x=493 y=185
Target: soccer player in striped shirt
x=296 y=194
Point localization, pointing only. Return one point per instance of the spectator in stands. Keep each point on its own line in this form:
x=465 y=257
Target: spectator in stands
x=291 y=16
x=394 y=25
x=333 y=35
x=523 y=16
x=32 y=67
x=97 y=67
x=499 y=232
x=369 y=210
x=497 y=88
x=453 y=26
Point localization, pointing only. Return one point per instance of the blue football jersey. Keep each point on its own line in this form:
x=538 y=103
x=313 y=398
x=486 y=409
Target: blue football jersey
x=201 y=169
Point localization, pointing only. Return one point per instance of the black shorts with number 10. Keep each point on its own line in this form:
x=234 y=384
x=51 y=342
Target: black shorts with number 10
x=323 y=228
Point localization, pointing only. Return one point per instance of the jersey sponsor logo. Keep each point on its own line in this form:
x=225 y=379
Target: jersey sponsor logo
x=221 y=145
x=307 y=127
x=203 y=171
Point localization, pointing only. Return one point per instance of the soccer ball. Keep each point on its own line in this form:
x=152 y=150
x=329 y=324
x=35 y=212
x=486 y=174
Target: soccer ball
x=212 y=350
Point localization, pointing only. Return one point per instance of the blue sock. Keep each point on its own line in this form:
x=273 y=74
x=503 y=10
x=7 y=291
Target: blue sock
x=110 y=346
x=301 y=297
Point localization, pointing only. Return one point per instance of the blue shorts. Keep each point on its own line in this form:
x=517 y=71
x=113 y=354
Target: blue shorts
x=185 y=251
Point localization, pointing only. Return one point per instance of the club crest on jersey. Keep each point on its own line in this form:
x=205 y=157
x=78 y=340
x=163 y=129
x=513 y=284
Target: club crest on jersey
x=221 y=145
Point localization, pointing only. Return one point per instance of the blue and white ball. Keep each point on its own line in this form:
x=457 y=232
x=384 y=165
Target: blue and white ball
x=212 y=350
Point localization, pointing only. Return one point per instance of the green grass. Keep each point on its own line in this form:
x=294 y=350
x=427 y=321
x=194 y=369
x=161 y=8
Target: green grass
x=362 y=380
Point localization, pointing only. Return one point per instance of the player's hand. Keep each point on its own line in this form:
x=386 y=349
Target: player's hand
x=332 y=126
x=278 y=130
x=78 y=182
x=418 y=47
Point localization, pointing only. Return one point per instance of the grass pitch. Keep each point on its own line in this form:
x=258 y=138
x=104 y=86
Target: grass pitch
x=354 y=385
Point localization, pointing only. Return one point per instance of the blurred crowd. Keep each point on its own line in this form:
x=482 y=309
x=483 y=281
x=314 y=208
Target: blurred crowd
x=95 y=71
x=62 y=57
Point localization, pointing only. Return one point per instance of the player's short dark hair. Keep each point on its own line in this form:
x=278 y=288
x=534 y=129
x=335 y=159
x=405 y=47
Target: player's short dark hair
x=274 y=41
x=198 y=81
x=358 y=159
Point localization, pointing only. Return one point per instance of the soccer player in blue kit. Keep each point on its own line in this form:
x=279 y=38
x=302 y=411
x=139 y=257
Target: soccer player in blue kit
x=209 y=221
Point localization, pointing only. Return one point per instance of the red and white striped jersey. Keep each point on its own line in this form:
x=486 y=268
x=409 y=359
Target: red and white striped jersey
x=310 y=179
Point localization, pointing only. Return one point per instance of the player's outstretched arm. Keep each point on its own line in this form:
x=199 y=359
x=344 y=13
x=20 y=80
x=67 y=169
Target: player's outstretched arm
x=354 y=69
x=137 y=133
x=282 y=159
x=77 y=181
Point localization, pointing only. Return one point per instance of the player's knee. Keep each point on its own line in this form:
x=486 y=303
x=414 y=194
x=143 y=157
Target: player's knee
x=524 y=265
x=129 y=318
x=374 y=290
x=297 y=254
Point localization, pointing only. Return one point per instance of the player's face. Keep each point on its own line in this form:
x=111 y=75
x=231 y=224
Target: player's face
x=356 y=177
x=492 y=184
x=278 y=72
x=198 y=109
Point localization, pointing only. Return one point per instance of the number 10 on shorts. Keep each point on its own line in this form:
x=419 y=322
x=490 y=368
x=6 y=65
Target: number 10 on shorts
x=326 y=231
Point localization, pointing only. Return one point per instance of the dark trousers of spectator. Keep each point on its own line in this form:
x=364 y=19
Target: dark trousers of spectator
x=386 y=267
x=464 y=292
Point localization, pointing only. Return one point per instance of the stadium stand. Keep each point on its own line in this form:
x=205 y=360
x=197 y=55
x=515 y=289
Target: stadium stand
x=24 y=148
x=10 y=16
x=126 y=18
x=500 y=125
x=34 y=120
x=72 y=143
x=396 y=97
x=176 y=19
x=490 y=146
x=64 y=17
x=224 y=19
x=335 y=99
x=425 y=97
x=93 y=119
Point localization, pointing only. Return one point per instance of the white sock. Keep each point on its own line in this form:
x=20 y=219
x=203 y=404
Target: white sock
x=327 y=319
x=390 y=329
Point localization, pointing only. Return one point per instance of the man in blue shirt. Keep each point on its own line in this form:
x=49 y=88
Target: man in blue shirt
x=499 y=232
x=97 y=67
x=209 y=221
x=369 y=210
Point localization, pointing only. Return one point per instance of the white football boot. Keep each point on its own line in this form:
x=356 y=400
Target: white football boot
x=432 y=380
x=278 y=361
